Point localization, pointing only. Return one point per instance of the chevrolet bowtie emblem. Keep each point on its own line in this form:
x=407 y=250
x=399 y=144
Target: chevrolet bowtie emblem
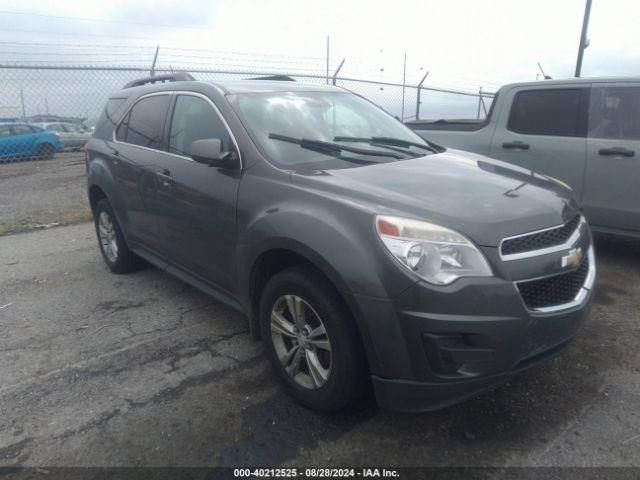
x=573 y=258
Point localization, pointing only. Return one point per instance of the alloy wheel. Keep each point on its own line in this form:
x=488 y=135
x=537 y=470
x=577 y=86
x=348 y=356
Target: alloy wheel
x=301 y=341
x=107 y=234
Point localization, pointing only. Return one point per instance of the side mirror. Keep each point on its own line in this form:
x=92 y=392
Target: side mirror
x=209 y=151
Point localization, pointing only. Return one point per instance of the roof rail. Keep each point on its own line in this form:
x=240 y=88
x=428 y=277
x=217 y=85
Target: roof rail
x=281 y=78
x=169 y=77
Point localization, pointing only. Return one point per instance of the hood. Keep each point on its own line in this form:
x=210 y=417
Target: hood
x=484 y=199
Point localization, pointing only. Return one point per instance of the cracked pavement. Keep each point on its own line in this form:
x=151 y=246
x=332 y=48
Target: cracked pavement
x=99 y=369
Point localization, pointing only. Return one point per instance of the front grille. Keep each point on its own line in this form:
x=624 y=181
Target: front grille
x=540 y=240
x=556 y=290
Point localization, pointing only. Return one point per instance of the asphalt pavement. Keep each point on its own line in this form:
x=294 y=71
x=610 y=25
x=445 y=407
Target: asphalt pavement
x=109 y=370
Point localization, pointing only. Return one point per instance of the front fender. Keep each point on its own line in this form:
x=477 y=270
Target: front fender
x=348 y=252
x=333 y=231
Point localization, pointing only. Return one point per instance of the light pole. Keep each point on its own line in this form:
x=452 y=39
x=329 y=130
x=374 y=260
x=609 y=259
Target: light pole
x=584 y=43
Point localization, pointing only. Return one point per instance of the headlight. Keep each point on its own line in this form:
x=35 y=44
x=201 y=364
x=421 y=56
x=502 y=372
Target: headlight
x=434 y=253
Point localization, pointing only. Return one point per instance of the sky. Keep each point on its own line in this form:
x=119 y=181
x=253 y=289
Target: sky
x=463 y=44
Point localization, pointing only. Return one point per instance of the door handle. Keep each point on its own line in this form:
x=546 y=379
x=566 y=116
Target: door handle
x=165 y=177
x=617 y=151
x=517 y=145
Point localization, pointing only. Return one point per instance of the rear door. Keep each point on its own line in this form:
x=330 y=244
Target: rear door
x=545 y=131
x=135 y=154
x=612 y=181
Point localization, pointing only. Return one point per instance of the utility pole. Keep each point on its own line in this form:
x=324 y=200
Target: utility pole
x=404 y=81
x=46 y=105
x=327 y=59
x=584 y=43
x=153 y=65
x=24 y=115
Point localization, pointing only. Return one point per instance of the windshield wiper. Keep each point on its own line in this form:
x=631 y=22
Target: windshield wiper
x=329 y=147
x=397 y=142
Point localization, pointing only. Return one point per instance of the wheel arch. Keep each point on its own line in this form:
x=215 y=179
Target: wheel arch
x=96 y=193
x=285 y=253
x=97 y=190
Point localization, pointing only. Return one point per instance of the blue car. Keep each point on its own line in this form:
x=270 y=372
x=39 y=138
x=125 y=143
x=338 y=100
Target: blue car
x=21 y=140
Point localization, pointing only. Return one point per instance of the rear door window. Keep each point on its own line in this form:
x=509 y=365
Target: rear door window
x=143 y=125
x=614 y=113
x=554 y=112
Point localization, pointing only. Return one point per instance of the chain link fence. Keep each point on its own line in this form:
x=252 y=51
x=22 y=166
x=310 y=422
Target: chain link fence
x=46 y=109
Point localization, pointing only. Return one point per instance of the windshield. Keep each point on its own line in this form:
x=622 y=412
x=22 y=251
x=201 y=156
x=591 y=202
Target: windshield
x=340 y=118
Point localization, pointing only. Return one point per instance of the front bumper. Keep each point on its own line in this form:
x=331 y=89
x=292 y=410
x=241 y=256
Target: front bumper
x=435 y=346
x=416 y=396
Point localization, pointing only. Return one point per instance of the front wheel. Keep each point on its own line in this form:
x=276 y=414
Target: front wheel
x=312 y=341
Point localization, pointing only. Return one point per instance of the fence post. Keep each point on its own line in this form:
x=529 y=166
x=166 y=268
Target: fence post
x=24 y=115
x=404 y=83
x=152 y=72
x=418 y=102
x=335 y=74
x=327 y=59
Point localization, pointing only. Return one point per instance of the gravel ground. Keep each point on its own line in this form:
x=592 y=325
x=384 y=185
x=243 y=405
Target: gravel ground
x=105 y=370
x=37 y=192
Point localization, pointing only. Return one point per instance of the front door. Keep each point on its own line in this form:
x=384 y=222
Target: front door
x=612 y=181
x=200 y=214
x=24 y=140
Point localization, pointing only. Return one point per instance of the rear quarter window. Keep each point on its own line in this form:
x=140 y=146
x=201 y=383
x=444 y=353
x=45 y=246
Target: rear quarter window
x=111 y=112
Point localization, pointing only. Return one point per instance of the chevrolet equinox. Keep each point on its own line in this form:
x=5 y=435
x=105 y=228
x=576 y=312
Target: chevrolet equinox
x=361 y=253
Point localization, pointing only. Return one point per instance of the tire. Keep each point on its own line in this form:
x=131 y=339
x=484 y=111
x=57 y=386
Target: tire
x=346 y=379
x=46 y=151
x=112 y=244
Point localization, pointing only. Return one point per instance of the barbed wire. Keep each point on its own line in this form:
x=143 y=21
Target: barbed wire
x=102 y=20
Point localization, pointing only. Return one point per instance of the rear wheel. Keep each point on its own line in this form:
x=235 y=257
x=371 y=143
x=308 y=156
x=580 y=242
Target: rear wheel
x=113 y=247
x=46 y=151
x=311 y=340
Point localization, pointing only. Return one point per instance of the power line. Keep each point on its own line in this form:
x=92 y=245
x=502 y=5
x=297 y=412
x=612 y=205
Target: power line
x=101 y=20
x=73 y=45
x=77 y=34
x=82 y=54
x=46 y=56
x=161 y=66
x=180 y=49
x=104 y=45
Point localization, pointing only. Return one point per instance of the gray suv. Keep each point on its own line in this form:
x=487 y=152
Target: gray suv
x=362 y=254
